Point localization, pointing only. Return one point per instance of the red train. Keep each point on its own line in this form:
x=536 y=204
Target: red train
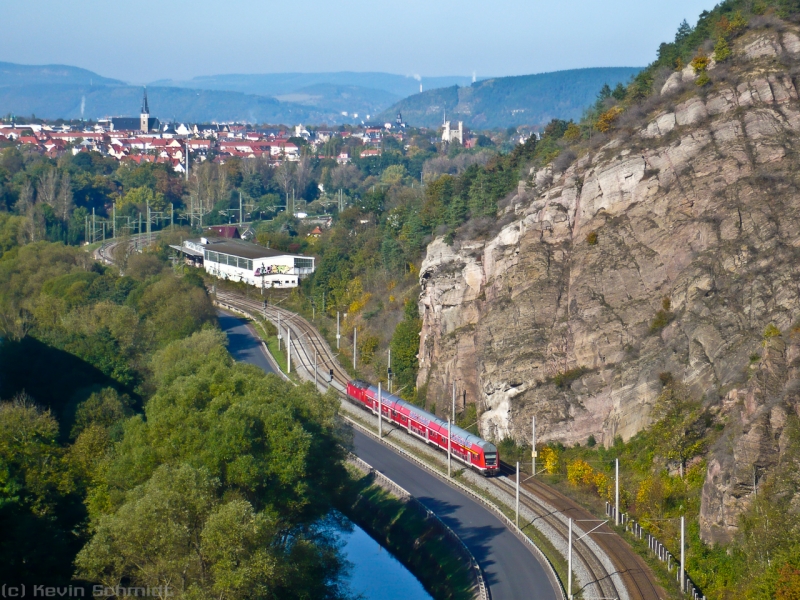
x=467 y=448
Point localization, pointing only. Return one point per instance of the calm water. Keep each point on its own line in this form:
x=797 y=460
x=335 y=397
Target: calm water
x=376 y=574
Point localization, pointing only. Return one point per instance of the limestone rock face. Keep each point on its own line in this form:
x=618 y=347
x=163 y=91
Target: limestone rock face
x=756 y=438
x=701 y=207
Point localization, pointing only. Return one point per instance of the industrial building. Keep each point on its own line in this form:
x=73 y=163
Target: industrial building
x=237 y=260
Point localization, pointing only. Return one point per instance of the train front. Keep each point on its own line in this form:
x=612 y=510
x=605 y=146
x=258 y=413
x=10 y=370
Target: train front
x=490 y=458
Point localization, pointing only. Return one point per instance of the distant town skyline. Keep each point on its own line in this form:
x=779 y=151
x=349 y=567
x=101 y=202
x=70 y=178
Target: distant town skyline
x=144 y=41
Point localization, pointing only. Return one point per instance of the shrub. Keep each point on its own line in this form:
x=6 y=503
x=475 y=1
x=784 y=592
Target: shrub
x=567 y=377
x=550 y=458
x=771 y=331
x=665 y=378
x=580 y=472
x=663 y=317
x=722 y=51
x=591 y=442
x=606 y=121
x=572 y=133
x=591 y=238
x=702 y=80
x=700 y=62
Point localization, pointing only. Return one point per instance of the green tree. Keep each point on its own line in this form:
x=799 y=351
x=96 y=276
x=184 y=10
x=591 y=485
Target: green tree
x=405 y=347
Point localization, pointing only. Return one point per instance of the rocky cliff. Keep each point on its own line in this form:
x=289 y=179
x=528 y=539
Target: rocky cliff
x=670 y=248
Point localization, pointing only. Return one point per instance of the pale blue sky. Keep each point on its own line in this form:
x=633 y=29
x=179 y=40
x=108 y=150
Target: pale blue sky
x=143 y=40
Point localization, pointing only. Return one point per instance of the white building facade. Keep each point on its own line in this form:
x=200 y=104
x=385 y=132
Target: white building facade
x=236 y=260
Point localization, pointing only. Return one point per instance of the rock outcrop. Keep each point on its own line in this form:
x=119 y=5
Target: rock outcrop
x=696 y=215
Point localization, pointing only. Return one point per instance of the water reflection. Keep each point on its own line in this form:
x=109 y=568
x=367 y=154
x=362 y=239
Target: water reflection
x=376 y=574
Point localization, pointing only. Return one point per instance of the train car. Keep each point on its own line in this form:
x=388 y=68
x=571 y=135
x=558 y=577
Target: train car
x=476 y=453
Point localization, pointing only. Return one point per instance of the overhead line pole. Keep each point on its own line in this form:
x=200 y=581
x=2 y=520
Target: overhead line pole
x=517 y=497
x=449 y=446
x=380 y=411
x=533 y=447
x=616 y=493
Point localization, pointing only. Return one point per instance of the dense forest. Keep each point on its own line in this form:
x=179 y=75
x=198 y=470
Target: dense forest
x=135 y=452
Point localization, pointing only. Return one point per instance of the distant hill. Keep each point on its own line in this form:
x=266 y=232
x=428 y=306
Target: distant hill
x=345 y=91
x=511 y=101
x=13 y=74
x=278 y=84
x=92 y=101
x=58 y=91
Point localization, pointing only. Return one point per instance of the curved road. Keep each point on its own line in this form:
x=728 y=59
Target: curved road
x=243 y=344
x=511 y=570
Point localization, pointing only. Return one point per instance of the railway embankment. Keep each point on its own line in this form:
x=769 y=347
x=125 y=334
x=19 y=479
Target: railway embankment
x=412 y=534
x=598 y=569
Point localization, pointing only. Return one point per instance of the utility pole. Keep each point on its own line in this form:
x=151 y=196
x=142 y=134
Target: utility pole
x=187 y=160
x=86 y=229
x=315 y=368
x=569 y=563
x=279 y=330
x=453 y=410
x=389 y=370
x=338 y=334
x=616 y=493
x=114 y=219
x=449 y=446
x=681 y=571
x=533 y=447
x=288 y=350
x=171 y=215
x=517 y=496
x=94 y=224
x=380 y=412
x=240 y=209
x=149 y=239
x=355 y=346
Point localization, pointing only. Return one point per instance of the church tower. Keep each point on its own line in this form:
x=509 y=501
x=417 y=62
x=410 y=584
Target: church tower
x=144 y=118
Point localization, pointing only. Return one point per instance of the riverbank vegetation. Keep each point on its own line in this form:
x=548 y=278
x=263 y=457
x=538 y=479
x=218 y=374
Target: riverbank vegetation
x=135 y=451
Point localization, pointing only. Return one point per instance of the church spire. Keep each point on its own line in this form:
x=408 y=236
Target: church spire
x=145 y=108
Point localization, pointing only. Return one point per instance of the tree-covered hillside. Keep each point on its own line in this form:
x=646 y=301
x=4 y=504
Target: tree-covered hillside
x=511 y=101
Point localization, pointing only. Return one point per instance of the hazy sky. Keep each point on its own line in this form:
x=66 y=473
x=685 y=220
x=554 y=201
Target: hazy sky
x=143 y=40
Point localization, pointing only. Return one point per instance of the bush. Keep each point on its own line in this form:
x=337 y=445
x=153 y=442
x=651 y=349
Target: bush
x=591 y=238
x=564 y=379
x=550 y=457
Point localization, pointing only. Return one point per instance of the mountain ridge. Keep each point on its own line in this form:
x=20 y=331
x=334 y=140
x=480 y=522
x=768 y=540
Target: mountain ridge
x=514 y=100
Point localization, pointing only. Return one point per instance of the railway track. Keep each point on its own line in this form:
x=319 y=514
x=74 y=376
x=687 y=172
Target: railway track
x=630 y=567
x=629 y=570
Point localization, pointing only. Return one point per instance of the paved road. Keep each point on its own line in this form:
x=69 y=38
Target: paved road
x=242 y=344
x=512 y=571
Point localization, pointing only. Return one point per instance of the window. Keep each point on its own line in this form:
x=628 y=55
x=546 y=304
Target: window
x=249 y=265
x=491 y=458
x=303 y=263
x=242 y=263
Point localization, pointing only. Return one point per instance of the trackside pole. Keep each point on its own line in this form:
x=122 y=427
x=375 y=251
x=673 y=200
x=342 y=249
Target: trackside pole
x=569 y=563
x=517 y=497
x=338 y=333
x=315 y=368
x=288 y=350
x=355 y=337
x=449 y=445
x=533 y=447
x=380 y=411
x=681 y=571
x=616 y=494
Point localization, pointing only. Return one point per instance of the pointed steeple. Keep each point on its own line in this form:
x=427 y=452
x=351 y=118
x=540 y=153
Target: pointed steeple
x=145 y=107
